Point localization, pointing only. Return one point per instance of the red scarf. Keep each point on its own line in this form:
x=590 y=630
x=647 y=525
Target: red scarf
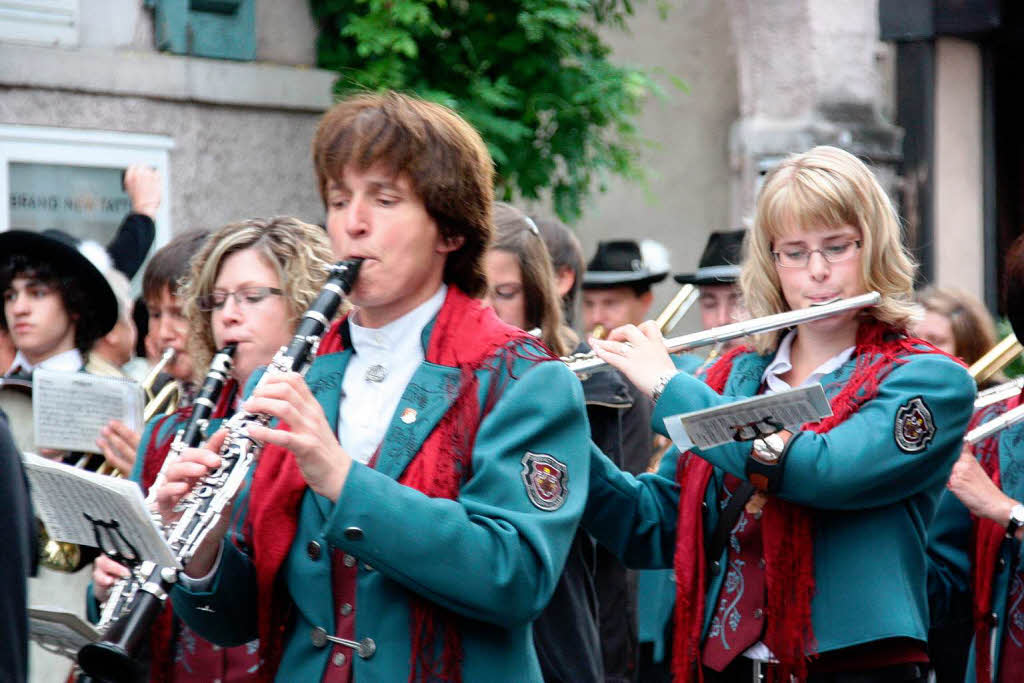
x=162 y=634
x=987 y=544
x=786 y=528
x=466 y=335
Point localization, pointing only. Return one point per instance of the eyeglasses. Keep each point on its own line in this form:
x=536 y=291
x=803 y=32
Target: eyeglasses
x=833 y=253
x=246 y=297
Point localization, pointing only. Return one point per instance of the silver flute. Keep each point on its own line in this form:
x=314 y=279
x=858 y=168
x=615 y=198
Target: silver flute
x=582 y=363
x=115 y=658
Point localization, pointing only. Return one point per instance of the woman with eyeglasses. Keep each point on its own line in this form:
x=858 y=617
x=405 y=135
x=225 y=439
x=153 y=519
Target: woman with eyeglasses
x=801 y=552
x=248 y=285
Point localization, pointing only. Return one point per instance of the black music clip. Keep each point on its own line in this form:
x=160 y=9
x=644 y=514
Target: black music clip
x=112 y=542
x=758 y=429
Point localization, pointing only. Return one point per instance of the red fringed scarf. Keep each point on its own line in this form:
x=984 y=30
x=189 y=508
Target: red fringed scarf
x=786 y=528
x=466 y=335
x=161 y=635
x=987 y=544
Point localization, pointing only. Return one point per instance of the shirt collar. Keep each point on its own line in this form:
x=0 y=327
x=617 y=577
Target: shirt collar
x=65 y=361
x=782 y=364
x=407 y=327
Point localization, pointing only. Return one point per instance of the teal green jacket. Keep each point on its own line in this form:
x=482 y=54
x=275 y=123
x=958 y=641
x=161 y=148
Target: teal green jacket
x=951 y=550
x=656 y=588
x=492 y=556
x=872 y=500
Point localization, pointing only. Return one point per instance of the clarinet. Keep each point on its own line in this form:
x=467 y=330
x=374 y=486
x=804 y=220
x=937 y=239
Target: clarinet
x=114 y=658
x=127 y=590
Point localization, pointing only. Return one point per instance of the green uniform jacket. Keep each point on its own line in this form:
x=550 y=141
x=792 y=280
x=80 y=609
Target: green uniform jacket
x=872 y=500
x=491 y=556
x=656 y=588
x=951 y=553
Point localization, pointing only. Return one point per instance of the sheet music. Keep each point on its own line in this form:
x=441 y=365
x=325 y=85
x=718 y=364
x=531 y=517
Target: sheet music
x=715 y=426
x=64 y=495
x=58 y=630
x=70 y=408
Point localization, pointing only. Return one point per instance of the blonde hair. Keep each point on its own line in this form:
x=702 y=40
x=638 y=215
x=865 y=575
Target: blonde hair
x=817 y=190
x=300 y=254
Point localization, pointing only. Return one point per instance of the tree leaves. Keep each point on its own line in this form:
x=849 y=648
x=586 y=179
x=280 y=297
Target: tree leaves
x=533 y=76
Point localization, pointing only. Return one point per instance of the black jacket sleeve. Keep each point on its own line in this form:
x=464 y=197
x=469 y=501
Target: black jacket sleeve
x=130 y=245
x=17 y=538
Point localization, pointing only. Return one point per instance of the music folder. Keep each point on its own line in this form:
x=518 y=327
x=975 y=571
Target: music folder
x=60 y=631
x=78 y=506
x=748 y=418
x=70 y=408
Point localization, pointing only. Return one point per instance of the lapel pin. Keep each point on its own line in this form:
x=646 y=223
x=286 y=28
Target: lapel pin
x=408 y=416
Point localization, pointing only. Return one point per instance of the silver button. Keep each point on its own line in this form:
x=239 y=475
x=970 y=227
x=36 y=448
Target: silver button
x=338 y=659
x=758 y=613
x=348 y=560
x=346 y=609
x=353 y=533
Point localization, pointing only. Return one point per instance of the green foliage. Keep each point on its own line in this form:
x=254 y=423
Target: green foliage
x=532 y=76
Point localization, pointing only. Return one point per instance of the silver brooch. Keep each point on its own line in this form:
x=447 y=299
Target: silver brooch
x=375 y=373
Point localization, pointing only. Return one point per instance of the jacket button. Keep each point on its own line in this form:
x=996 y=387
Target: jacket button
x=346 y=609
x=354 y=533
x=348 y=560
x=313 y=550
x=1002 y=562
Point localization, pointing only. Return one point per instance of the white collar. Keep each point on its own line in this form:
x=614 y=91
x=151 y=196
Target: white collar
x=65 y=361
x=782 y=364
x=403 y=329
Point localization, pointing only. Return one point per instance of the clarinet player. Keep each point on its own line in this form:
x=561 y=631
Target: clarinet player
x=414 y=516
x=247 y=285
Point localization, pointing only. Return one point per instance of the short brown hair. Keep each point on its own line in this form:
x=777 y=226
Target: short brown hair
x=170 y=263
x=444 y=158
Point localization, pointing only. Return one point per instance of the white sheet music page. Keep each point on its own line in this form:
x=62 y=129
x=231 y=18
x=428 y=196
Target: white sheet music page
x=70 y=408
x=67 y=499
x=715 y=426
x=58 y=628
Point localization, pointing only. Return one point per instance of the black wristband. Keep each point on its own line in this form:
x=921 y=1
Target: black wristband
x=768 y=478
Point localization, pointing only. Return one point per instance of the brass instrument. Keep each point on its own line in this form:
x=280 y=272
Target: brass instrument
x=996 y=358
x=166 y=400
x=598 y=332
x=589 y=362
x=675 y=310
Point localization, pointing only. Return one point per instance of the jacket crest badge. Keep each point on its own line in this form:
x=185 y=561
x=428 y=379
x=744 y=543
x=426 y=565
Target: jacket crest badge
x=914 y=428
x=546 y=481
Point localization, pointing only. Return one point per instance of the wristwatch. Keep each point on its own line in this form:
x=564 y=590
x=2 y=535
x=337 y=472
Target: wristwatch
x=660 y=385
x=1016 y=520
x=764 y=466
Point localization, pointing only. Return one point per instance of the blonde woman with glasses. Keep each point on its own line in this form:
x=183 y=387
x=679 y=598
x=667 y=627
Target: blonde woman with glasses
x=818 y=569
x=247 y=286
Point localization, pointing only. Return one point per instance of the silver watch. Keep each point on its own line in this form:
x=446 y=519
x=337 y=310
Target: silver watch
x=660 y=385
x=1016 y=520
x=768 y=449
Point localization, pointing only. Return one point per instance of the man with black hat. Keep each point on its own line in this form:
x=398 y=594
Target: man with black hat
x=719 y=269
x=617 y=284
x=57 y=302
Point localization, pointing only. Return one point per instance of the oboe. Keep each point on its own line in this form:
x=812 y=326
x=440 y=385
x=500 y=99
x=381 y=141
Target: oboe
x=114 y=657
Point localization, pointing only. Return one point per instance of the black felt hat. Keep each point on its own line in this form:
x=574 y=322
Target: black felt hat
x=623 y=262
x=63 y=252
x=720 y=262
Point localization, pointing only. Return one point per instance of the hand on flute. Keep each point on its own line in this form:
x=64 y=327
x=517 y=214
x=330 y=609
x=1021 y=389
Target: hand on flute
x=638 y=352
